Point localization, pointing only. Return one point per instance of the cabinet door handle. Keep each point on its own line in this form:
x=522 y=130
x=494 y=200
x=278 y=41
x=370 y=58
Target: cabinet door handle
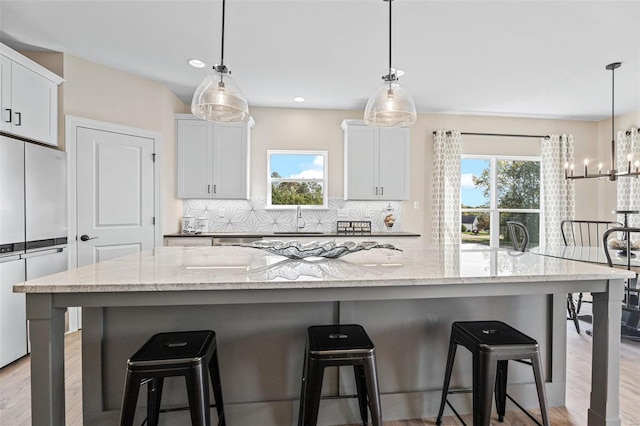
x=376 y=190
x=215 y=189
x=208 y=189
x=10 y=112
x=19 y=122
x=382 y=190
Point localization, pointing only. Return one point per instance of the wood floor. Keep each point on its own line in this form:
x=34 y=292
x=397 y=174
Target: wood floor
x=15 y=399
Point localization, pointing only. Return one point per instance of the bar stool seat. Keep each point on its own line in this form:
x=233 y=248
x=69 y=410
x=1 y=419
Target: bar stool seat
x=492 y=344
x=192 y=354
x=334 y=346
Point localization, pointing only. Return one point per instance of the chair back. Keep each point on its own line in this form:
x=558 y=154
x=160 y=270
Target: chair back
x=585 y=232
x=629 y=240
x=519 y=235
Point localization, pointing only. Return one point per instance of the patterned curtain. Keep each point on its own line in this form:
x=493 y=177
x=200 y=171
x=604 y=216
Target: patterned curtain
x=558 y=193
x=628 y=188
x=446 y=188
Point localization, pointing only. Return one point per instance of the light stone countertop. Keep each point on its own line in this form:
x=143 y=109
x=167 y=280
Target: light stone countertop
x=244 y=268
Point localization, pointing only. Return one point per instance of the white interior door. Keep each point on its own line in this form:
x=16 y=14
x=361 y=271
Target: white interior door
x=115 y=194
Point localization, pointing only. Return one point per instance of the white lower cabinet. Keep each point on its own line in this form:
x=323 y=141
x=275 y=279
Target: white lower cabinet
x=376 y=162
x=212 y=158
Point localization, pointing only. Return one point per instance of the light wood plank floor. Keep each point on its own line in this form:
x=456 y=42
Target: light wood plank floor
x=15 y=399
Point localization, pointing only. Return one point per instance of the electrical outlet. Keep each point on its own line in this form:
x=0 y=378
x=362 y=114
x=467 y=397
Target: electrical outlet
x=217 y=213
x=342 y=213
x=416 y=205
x=368 y=213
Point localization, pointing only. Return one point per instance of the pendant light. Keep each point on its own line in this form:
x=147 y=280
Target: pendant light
x=391 y=105
x=612 y=174
x=218 y=97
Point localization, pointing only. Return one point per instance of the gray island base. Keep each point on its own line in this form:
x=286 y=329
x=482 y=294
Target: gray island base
x=260 y=306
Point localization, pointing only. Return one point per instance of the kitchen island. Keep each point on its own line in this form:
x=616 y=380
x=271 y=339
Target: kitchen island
x=260 y=306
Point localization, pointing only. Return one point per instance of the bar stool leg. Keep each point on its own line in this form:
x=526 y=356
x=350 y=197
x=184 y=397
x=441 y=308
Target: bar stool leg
x=361 y=388
x=154 y=395
x=216 y=384
x=373 y=392
x=542 y=396
x=130 y=398
x=303 y=390
x=484 y=377
x=198 y=393
x=447 y=378
x=314 y=375
x=501 y=389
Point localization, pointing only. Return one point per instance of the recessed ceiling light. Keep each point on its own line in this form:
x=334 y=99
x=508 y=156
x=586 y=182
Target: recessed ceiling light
x=299 y=99
x=196 y=63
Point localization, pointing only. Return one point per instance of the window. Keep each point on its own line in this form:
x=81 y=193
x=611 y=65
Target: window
x=297 y=178
x=495 y=190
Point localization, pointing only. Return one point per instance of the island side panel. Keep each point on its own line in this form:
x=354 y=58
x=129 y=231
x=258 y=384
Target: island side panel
x=412 y=338
x=261 y=348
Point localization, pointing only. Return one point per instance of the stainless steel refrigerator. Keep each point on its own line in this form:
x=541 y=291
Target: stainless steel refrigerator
x=33 y=231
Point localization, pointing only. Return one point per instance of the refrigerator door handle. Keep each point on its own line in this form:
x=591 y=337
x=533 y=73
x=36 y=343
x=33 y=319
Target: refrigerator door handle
x=42 y=253
x=11 y=258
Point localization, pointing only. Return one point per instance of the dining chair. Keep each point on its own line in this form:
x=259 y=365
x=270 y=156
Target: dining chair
x=519 y=235
x=624 y=246
x=580 y=232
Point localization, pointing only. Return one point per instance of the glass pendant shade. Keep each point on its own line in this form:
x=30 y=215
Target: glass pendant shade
x=218 y=98
x=390 y=106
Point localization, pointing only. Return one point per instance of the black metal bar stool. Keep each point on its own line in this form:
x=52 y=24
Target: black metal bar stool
x=334 y=346
x=492 y=344
x=190 y=354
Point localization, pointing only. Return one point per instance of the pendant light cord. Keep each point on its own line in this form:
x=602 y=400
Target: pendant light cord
x=222 y=49
x=390 y=1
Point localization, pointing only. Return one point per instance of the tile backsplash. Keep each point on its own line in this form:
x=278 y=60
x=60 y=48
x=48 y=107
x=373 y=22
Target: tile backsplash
x=253 y=216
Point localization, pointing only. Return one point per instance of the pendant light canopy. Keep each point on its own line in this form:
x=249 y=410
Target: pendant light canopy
x=218 y=97
x=391 y=105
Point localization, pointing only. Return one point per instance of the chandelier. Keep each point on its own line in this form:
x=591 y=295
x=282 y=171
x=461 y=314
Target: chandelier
x=612 y=173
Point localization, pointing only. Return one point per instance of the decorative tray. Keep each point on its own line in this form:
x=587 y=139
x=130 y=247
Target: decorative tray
x=326 y=249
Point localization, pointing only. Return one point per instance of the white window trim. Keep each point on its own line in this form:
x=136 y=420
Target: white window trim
x=324 y=181
x=494 y=212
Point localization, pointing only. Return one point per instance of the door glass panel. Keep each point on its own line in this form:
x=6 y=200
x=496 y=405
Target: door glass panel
x=518 y=184
x=530 y=220
x=476 y=229
x=475 y=183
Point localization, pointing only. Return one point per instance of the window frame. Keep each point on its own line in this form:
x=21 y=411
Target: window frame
x=324 y=181
x=493 y=210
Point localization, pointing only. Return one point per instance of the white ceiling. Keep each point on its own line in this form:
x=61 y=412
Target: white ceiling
x=499 y=58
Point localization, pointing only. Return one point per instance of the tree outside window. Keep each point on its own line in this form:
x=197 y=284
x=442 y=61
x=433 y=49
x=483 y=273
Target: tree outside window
x=297 y=178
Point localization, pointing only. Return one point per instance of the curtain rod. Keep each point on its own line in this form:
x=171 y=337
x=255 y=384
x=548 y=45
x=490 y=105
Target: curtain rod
x=498 y=134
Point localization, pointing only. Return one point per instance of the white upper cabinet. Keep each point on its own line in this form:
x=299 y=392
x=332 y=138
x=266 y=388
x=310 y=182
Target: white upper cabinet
x=212 y=158
x=29 y=98
x=376 y=162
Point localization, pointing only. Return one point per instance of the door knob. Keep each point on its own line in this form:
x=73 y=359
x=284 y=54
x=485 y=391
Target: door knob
x=85 y=237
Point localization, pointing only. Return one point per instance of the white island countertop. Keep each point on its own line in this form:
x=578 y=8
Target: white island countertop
x=243 y=268
x=261 y=298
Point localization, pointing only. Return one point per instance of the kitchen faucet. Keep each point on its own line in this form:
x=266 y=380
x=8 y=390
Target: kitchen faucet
x=299 y=220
